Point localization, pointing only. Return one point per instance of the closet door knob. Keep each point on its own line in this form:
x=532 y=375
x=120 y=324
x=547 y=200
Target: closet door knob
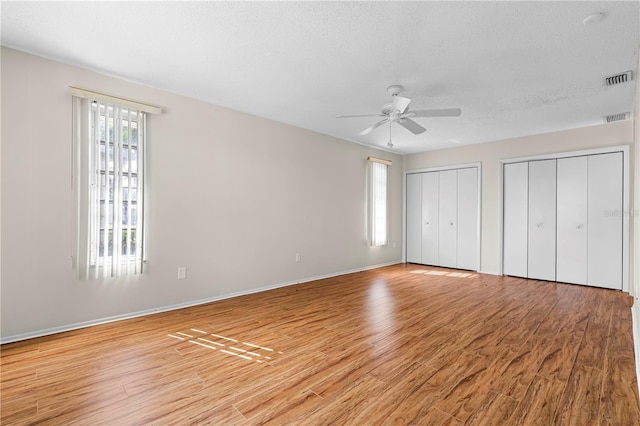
x=539 y=225
x=450 y=223
x=579 y=226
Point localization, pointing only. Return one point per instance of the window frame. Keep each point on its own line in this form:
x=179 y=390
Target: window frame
x=86 y=187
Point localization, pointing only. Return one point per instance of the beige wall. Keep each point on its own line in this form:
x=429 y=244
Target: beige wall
x=490 y=154
x=231 y=196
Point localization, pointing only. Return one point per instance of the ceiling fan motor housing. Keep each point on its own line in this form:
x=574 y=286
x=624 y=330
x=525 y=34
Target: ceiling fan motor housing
x=395 y=89
x=387 y=108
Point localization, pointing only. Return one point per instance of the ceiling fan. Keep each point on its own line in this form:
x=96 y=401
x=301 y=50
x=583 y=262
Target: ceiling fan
x=396 y=111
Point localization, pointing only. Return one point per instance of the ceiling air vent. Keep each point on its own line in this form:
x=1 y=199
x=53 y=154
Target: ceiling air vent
x=624 y=77
x=617 y=117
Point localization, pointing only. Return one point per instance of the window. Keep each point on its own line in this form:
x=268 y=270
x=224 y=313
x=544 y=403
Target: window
x=116 y=191
x=378 y=206
x=109 y=143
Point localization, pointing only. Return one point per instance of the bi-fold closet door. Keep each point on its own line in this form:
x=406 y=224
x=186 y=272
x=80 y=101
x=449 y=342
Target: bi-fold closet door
x=572 y=220
x=429 y=204
x=448 y=225
x=590 y=200
x=541 y=246
x=530 y=219
x=516 y=219
x=442 y=218
x=560 y=221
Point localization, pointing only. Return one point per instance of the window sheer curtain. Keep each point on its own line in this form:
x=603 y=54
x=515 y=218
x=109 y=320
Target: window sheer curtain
x=109 y=148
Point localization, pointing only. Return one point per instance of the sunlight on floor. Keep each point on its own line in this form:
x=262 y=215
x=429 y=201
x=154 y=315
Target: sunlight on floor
x=251 y=354
x=444 y=273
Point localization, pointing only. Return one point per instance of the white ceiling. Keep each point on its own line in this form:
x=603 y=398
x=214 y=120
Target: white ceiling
x=515 y=68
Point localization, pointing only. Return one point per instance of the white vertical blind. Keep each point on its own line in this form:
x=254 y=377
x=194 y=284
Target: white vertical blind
x=378 y=204
x=108 y=148
x=141 y=125
x=115 y=172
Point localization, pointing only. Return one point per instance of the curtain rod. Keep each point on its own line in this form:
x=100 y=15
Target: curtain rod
x=379 y=160
x=90 y=94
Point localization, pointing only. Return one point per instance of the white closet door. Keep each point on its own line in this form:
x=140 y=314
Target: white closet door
x=604 y=252
x=414 y=218
x=572 y=220
x=542 y=220
x=430 y=216
x=515 y=226
x=467 y=209
x=448 y=235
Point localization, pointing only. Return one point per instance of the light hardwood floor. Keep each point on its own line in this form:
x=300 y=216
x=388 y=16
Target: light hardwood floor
x=405 y=344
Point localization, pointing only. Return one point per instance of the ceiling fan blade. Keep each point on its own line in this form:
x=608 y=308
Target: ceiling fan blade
x=442 y=112
x=375 y=126
x=400 y=103
x=412 y=126
x=359 y=115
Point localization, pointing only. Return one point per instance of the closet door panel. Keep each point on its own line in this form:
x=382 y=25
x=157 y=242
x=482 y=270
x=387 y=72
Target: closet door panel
x=604 y=251
x=541 y=251
x=571 y=240
x=448 y=218
x=515 y=214
x=430 y=216
x=414 y=218
x=467 y=210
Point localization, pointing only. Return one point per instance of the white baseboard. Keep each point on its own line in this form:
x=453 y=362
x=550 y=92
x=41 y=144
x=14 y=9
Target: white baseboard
x=490 y=273
x=84 y=324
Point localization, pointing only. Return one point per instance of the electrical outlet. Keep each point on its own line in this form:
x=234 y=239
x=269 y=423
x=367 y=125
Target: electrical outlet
x=182 y=272
x=298 y=257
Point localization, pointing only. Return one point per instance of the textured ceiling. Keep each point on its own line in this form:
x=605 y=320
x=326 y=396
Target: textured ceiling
x=514 y=68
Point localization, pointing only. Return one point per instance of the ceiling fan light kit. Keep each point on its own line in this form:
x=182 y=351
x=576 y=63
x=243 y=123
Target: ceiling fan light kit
x=396 y=111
